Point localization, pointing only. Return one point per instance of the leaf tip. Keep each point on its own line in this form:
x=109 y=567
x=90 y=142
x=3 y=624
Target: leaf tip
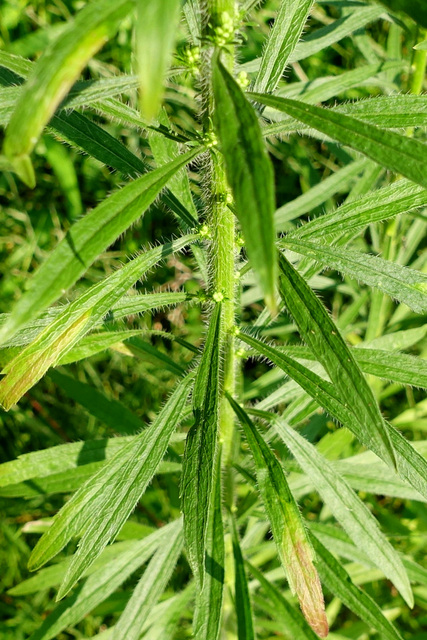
x=24 y=169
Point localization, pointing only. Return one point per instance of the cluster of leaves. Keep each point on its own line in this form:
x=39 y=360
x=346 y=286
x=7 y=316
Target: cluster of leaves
x=244 y=441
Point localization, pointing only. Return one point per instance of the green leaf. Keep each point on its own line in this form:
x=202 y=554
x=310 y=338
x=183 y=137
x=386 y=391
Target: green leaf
x=398 y=367
x=321 y=38
x=53 y=76
x=86 y=239
x=100 y=585
x=375 y=206
x=416 y=9
x=207 y=617
x=389 y=149
x=201 y=451
x=295 y=551
x=111 y=412
x=347 y=508
x=403 y=284
x=410 y=464
x=293 y=624
x=99 y=508
x=324 y=339
x=150 y=587
x=282 y=40
x=74 y=322
x=155 y=37
x=337 y=580
x=245 y=626
x=320 y=193
x=250 y=175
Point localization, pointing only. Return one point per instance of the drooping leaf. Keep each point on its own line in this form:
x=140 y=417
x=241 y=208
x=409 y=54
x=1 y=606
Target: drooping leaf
x=250 y=175
x=86 y=239
x=53 y=76
x=208 y=614
x=293 y=624
x=403 y=284
x=74 y=322
x=391 y=150
x=99 y=508
x=347 y=508
x=337 y=580
x=245 y=625
x=155 y=37
x=201 y=451
x=324 y=339
x=294 y=549
x=410 y=464
x=282 y=40
x=151 y=586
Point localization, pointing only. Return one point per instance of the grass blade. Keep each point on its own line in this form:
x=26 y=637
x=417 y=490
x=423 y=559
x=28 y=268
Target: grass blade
x=100 y=585
x=295 y=551
x=282 y=40
x=347 y=508
x=416 y=9
x=250 y=175
x=201 y=451
x=391 y=150
x=151 y=586
x=98 y=510
x=86 y=239
x=401 y=283
x=324 y=339
x=53 y=76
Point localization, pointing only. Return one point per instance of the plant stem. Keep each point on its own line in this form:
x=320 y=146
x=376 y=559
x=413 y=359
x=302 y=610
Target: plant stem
x=223 y=245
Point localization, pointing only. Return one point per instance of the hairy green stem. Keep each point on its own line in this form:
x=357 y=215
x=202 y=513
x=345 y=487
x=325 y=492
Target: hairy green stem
x=216 y=14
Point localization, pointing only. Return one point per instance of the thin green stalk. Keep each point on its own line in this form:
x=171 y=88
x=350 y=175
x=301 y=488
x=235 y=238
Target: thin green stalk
x=217 y=15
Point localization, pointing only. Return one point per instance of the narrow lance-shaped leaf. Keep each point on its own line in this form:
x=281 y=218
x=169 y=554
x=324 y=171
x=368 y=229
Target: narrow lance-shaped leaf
x=250 y=175
x=389 y=149
x=337 y=580
x=86 y=239
x=54 y=74
x=401 y=283
x=99 y=508
x=156 y=27
x=294 y=625
x=410 y=464
x=207 y=617
x=150 y=587
x=381 y=204
x=347 y=508
x=324 y=339
x=100 y=585
x=76 y=320
x=245 y=625
x=201 y=450
x=289 y=533
x=283 y=38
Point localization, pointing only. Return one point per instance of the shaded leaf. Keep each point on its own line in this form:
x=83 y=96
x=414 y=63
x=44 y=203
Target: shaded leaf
x=295 y=551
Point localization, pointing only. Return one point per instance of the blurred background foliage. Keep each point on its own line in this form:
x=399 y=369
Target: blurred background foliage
x=69 y=182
